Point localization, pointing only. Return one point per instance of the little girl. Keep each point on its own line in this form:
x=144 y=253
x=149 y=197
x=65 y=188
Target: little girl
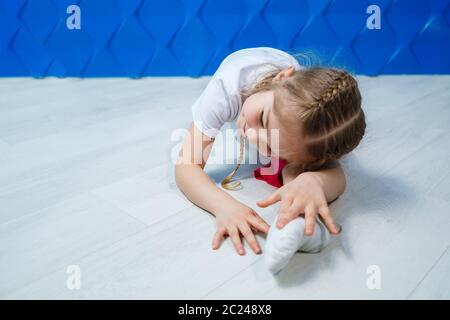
x=316 y=114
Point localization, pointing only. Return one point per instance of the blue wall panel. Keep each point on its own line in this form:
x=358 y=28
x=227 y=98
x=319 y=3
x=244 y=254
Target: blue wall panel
x=138 y=38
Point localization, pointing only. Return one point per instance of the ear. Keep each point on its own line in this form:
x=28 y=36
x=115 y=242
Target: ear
x=283 y=74
x=290 y=71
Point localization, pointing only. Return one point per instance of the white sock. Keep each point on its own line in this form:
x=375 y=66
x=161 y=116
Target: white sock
x=281 y=245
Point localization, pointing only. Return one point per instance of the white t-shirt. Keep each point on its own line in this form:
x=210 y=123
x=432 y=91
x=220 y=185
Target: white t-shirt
x=221 y=101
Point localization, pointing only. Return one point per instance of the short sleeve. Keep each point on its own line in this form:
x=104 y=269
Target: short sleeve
x=212 y=109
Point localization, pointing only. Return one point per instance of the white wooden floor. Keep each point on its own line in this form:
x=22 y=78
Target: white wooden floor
x=86 y=180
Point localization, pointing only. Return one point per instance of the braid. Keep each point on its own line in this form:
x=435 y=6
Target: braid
x=227 y=183
x=339 y=83
x=333 y=120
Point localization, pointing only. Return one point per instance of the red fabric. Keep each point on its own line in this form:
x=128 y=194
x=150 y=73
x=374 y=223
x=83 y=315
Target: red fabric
x=274 y=179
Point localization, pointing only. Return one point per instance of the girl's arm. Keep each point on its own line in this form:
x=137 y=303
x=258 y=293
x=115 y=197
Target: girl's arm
x=309 y=193
x=190 y=177
x=330 y=176
x=232 y=216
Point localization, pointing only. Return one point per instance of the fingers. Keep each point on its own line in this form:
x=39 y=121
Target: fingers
x=290 y=214
x=236 y=239
x=250 y=237
x=218 y=238
x=324 y=212
x=273 y=198
x=310 y=220
x=282 y=213
x=259 y=224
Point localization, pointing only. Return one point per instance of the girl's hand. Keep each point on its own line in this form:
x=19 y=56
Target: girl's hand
x=305 y=195
x=235 y=219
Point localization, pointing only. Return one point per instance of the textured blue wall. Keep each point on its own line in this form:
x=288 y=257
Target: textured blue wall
x=190 y=37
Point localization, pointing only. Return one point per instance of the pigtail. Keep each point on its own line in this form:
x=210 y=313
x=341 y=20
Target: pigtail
x=334 y=120
x=227 y=183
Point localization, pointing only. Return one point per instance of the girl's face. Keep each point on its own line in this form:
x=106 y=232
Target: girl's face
x=263 y=128
x=259 y=124
x=253 y=120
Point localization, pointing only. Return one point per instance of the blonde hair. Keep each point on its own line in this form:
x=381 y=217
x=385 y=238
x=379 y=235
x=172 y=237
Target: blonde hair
x=227 y=182
x=325 y=103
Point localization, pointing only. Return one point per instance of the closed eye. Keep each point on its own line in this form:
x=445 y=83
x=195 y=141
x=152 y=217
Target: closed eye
x=261 y=119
